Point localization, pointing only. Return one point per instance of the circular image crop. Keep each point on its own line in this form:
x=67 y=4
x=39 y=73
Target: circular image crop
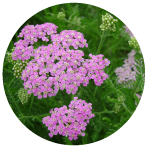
x=73 y=74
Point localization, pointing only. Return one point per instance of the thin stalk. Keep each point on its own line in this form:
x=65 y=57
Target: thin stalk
x=11 y=82
x=31 y=103
x=98 y=51
x=103 y=37
x=96 y=88
x=125 y=107
x=107 y=50
x=72 y=96
x=104 y=112
x=100 y=46
x=8 y=70
x=43 y=115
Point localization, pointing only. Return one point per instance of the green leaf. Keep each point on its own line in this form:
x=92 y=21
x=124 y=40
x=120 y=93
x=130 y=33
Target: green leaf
x=113 y=100
x=66 y=140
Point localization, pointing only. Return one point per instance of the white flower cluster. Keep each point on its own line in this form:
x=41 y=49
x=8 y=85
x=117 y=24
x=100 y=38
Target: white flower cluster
x=108 y=23
x=128 y=71
x=23 y=95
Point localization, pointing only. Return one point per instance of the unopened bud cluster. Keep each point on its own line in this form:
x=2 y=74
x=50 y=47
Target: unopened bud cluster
x=23 y=95
x=19 y=67
x=76 y=21
x=9 y=57
x=134 y=44
x=61 y=15
x=117 y=107
x=108 y=23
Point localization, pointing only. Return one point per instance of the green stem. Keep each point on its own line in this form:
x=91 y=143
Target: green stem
x=31 y=103
x=72 y=96
x=43 y=115
x=125 y=107
x=107 y=50
x=104 y=35
x=96 y=88
x=104 y=112
x=10 y=82
x=98 y=51
x=100 y=46
x=4 y=69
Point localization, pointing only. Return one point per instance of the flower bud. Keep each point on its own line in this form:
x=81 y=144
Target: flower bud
x=23 y=95
x=120 y=96
x=61 y=15
x=9 y=57
x=76 y=21
x=18 y=68
x=134 y=44
x=117 y=108
x=108 y=23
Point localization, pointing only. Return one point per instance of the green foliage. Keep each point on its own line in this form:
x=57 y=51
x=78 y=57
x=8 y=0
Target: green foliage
x=87 y=93
x=66 y=141
x=140 y=78
x=112 y=103
x=96 y=123
x=117 y=126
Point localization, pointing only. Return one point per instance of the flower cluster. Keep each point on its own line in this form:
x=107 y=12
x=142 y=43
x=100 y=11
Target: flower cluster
x=59 y=65
x=69 y=122
x=23 y=95
x=31 y=34
x=9 y=57
x=56 y=66
x=18 y=68
x=139 y=97
x=61 y=15
x=52 y=70
x=127 y=30
x=128 y=71
x=134 y=44
x=108 y=23
x=68 y=38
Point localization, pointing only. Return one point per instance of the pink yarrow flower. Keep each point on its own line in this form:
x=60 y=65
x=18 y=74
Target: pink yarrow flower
x=70 y=122
x=59 y=65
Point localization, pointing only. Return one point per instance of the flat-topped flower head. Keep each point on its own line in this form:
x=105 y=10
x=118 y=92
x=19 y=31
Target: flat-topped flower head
x=69 y=38
x=59 y=65
x=127 y=72
x=31 y=34
x=70 y=122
